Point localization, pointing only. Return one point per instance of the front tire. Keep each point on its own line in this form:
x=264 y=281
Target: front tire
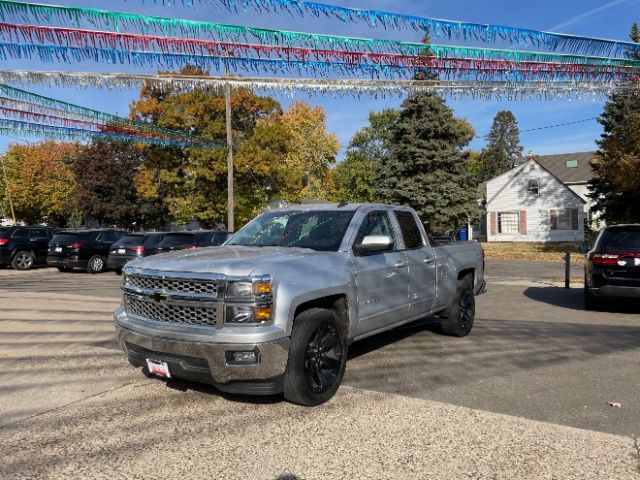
x=23 y=260
x=457 y=320
x=95 y=264
x=317 y=358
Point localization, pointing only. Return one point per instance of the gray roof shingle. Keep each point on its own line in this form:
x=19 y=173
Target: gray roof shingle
x=557 y=165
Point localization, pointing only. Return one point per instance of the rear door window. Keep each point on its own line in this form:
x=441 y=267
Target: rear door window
x=38 y=233
x=20 y=233
x=410 y=230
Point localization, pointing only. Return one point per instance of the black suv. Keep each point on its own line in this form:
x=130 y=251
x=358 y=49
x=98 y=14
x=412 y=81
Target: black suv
x=612 y=268
x=131 y=246
x=85 y=249
x=185 y=240
x=24 y=247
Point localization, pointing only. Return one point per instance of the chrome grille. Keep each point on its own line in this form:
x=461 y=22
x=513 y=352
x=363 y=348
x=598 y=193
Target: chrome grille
x=179 y=285
x=170 y=312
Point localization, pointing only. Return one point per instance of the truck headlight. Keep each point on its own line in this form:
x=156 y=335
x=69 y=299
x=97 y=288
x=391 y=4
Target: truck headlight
x=247 y=314
x=250 y=287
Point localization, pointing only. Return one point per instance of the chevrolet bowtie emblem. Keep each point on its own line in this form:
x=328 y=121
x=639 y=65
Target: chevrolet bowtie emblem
x=159 y=297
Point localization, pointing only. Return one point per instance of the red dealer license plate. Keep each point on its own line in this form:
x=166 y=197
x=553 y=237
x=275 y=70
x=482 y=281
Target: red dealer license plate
x=160 y=369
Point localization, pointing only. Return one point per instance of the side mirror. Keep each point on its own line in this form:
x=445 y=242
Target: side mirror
x=374 y=244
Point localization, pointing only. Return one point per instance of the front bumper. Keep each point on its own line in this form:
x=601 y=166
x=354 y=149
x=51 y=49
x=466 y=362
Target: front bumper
x=206 y=362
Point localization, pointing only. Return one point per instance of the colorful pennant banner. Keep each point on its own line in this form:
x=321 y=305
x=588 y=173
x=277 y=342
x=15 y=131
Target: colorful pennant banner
x=113 y=20
x=32 y=102
x=18 y=127
x=439 y=28
x=73 y=37
x=315 y=86
x=459 y=69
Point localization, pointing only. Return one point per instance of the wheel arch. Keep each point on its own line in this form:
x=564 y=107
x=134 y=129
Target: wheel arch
x=337 y=303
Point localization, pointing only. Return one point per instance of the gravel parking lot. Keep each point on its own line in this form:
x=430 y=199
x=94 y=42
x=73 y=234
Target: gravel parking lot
x=525 y=396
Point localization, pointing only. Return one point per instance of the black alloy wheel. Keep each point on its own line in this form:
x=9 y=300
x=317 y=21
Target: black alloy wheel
x=457 y=320
x=317 y=357
x=323 y=360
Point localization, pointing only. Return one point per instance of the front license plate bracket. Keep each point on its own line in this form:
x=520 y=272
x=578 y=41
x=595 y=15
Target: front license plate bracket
x=158 y=368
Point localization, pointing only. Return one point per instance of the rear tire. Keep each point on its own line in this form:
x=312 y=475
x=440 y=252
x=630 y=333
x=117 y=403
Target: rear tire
x=317 y=358
x=95 y=264
x=457 y=320
x=64 y=269
x=118 y=271
x=590 y=302
x=23 y=260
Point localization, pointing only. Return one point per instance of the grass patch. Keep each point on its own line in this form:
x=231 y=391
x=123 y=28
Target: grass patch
x=541 y=252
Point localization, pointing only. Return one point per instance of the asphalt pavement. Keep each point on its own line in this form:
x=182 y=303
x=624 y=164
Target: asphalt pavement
x=524 y=396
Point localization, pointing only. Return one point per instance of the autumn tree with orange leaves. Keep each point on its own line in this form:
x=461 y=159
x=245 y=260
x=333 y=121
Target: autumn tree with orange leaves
x=41 y=182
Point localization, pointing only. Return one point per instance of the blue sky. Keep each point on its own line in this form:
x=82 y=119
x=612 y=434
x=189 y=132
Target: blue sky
x=597 y=18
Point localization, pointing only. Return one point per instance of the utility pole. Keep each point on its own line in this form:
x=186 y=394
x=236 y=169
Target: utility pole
x=6 y=190
x=230 y=201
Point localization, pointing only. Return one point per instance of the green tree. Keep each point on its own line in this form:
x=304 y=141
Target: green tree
x=426 y=165
x=356 y=177
x=41 y=182
x=503 y=145
x=615 y=187
x=106 y=191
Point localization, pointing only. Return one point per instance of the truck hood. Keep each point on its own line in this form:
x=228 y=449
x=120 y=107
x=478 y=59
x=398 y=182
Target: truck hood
x=228 y=260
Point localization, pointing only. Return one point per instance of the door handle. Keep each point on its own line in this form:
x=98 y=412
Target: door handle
x=429 y=261
x=400 y=264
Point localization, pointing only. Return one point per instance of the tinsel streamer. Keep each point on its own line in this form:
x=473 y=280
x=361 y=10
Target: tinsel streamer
x=486 y=33
x=72 y=37
x=65 y=121
x=95 y=115
x=113 y=20
x=450 y=69
x=315 y=87
x=17 y=127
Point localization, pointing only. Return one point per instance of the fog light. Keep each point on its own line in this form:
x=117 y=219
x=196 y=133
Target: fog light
x=262 y=314
x=242 y=358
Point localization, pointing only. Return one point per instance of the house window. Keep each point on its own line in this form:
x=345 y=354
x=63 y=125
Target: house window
x=534 y=187
x=508 y=222
x=571 y=163
x=564 y=219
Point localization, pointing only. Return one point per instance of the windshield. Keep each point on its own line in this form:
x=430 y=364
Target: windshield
x=318 y=230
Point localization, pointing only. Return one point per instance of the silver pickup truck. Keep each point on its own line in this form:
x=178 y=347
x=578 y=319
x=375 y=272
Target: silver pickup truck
x=276 y=307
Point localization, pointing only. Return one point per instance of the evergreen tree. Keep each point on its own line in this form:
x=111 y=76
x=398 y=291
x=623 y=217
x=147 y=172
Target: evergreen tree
x=426 y=165
x=503 y=145
x=356 y=177
x=615 y=187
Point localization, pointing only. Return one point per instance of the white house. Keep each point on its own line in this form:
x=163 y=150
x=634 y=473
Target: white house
x=572 y=169
x=530 y=204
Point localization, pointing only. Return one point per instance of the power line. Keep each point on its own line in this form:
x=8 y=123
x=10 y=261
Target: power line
x=558 y=125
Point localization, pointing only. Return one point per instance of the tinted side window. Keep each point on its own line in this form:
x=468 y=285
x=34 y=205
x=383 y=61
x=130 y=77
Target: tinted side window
x=109 y=236
x=410 y=230
x=219 y=238
x=20 y=233
x=376 y=223
x=38 y=233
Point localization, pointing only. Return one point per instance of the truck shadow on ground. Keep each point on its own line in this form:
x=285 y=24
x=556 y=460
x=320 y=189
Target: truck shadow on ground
x=573 y=298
